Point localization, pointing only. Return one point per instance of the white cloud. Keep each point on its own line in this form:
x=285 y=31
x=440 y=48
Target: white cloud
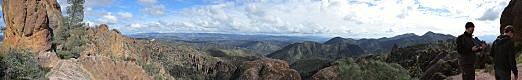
x=147 y=2
x=154 y=10
x=125 y=15
x=90 y=23
x=88 y=11
x=89 y=3
x=63 y=5
x=356 y=19
x=108 y=19
x=135 y=25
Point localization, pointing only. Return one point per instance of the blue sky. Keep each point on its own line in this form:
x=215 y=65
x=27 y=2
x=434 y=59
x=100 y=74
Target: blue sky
x=329 y=18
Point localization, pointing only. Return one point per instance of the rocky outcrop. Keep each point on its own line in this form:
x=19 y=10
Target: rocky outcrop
x=29 y=23
x=115 y=55
x=69 y=70
x=512 y=16
x=329 y=73
x=267 y=69
x=109 y=69
x=427 y=61
x=307 y=68
x=97 y=67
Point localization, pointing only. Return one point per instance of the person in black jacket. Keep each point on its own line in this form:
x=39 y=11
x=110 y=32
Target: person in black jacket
x=467 y=49
x=503 y=51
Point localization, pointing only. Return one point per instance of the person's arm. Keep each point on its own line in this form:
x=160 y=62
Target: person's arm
x=464 y=46
x=512 y=55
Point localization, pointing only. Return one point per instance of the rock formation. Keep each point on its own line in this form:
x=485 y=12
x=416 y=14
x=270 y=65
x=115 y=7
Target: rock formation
x=329 y=73
x=511 y=16
x=267 y=69
x=29 y=23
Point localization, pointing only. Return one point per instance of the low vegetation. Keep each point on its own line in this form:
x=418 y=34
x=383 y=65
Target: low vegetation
x=370 y=70
x=20 y=65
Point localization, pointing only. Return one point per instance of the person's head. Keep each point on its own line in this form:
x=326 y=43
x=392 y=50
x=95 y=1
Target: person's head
x=470 y=27
x=509 y=30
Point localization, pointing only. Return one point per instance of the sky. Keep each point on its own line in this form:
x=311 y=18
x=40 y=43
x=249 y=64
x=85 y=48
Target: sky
x=328 y=18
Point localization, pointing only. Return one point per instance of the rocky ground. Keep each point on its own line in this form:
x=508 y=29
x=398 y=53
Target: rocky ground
x=482 y=75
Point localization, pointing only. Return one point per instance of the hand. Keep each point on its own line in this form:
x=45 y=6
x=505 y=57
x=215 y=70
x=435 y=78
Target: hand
x=484 y=45
x=474 y=48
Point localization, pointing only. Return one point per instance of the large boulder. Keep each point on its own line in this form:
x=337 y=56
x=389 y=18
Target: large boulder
x=512 y=16
x=329 y=73
x=29 y=23
x=267 y=69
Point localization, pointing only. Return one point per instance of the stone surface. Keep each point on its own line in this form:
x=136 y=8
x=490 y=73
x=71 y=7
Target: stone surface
x=512 y=16
x=267 y=69
x=329 y=73
x=29 y=22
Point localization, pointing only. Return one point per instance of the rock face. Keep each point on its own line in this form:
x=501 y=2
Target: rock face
x=511 y=16
x=69 y=70
x=427 y=61
x=29 y=23
x=329 y=73
x=267 y=69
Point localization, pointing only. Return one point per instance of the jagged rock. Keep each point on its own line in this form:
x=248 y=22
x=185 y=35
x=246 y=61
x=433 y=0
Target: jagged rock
x=110 y=46
x=267 y=69
x=108 y=43
x=97 y=67
x=437 y=70
x=109 y=69
x=329 y=73
x=426 y=60
x=29 y=22
x=511 y=16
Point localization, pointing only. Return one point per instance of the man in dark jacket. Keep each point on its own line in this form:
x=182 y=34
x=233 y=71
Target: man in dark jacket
x=503 y=51
x=466 y=47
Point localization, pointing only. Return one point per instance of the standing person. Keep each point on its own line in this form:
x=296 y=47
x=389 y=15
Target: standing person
x=467 y=50
x=504 y=53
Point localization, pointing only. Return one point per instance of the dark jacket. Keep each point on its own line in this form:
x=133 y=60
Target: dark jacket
x=464 y=44
x=503 y=51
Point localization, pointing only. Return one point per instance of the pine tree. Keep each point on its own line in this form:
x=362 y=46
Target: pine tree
x=75 y=13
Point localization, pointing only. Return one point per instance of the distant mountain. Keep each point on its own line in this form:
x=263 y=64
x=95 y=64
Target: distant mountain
x=309 y=57
x=311 y=50
x=385 y=44
x=262 y=44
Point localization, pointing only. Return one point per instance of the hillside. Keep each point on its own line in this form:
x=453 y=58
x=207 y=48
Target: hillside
x=422 y=61
x=259 y=44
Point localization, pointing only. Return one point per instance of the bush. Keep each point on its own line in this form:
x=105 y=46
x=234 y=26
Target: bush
x=149 y=68
x=371 y=70
x=69 y=42
x=21 y=64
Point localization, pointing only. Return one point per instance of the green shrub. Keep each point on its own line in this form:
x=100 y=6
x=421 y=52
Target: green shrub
x=371 y=70
x=70 y=42
x=149 y=68
x=21 y=64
